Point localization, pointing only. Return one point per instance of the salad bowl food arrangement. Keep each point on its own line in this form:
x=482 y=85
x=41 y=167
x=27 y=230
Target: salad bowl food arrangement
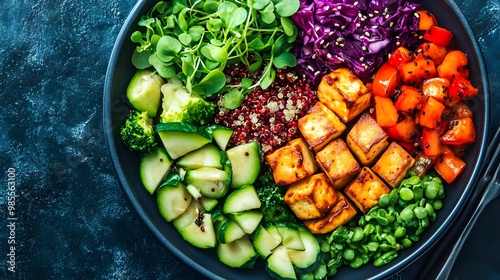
x=289 y=138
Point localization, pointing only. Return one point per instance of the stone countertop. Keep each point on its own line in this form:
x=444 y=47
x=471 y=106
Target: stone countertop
x=72 y=218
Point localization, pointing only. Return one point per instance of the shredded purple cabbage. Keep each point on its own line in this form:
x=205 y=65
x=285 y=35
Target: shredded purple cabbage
x=357 y=34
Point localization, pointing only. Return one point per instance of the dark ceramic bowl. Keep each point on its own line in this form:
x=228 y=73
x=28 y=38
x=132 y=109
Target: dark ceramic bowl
x=126 y=164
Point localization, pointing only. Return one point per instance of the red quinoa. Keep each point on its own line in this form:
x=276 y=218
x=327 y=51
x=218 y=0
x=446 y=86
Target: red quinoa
x=267 y=116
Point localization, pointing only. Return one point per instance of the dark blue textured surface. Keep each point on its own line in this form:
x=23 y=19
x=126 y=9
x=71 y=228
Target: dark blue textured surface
x=73 y=219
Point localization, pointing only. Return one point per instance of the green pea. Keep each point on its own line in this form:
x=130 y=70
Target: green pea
x=431 y=191
x=437 y=204
x=414 y=180
x=385 y=258
x=306 y=276
x=369 y=229
x=420 y=212
x=320 y=271
x=357 y=234
x=394 y=196
x=349 y=254
x=406 y=215
x=357 y=262
x=385 y=247
x=382 y=221
x=384 y=200
x=332 y=271
x=406 y=194
x=418 y=193
x=391 y=240
x=324 y=246
x=372 y=246
x=407 y=243
x=362 y=221
x=429 y=209
x=400 y=232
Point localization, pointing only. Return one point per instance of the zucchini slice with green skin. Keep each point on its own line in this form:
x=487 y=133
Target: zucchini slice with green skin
x=230 y=231
x=247 y=220
x=306 y=260
x=221 y=135
x=206 y=156
x=279 y=265
x=212 y=182
x=182 y=138
x=264 y=242
x=290 y=237
x=196 y=226
x=242 y=199
x=144 y=91
x=153 y=168
x=209 y=203
x=172 y=198
x=245 y=163
x=239 y=253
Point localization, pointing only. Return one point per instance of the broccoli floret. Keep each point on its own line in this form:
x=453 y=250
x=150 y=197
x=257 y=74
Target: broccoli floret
x=138 y=133
x=181 y=106
x=273 y=205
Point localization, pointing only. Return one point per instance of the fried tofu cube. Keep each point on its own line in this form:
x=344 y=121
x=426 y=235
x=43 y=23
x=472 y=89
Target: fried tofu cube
x=338 y=163
x=340 y=214
x=292 y=162
x=344 y=93
x=393 y=164
x=366 y=190
x=367 y=140
x=311 y=197
x=319 y=126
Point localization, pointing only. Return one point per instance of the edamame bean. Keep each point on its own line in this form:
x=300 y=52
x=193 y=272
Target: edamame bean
x=406 y=194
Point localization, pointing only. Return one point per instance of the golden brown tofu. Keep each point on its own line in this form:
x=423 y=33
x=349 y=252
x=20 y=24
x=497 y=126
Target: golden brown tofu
x=319 y=126
x=393 y=164
x=367 y=140
x=338 y=163
x=344 y=93
x=311 y=197
x=340 y=214
x=292 y=162
x=366 y=190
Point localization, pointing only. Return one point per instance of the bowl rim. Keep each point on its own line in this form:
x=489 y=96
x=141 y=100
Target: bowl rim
x=402 y=263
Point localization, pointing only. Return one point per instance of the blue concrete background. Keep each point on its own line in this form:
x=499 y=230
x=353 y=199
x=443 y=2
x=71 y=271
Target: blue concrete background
x=74 y=221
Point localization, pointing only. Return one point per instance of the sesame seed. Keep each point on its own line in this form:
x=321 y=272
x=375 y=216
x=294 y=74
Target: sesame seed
x=313 y=56
x=329 y=55
x=339 y=39
x=391 y=24
x=416 y=15
x=356 y=3
x=327 y=8
x=358 y=25
x=341 y=45
x=361 y=59
x=336 y=24
x=331 y=33
x=363 y=48
x=310 y=67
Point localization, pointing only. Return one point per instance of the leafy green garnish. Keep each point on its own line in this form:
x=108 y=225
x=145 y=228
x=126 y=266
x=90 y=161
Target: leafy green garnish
x=196 y=40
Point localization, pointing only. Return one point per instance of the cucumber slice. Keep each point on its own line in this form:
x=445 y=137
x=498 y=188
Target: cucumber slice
x=230 y=231
x=264 y=242
x=290 y=238
x=308 y=259
x=245 y=163
x=279 y=265
x=242 y=199
x=239 y=253
x=247 y=220
x=182 y=138
x=273 y=231
x=144 y=91
x=196 y=227
x=206 y=156
x=153 y=168
x=172 y=198
x=211 y=182
x=209 y=203
x=221 y=135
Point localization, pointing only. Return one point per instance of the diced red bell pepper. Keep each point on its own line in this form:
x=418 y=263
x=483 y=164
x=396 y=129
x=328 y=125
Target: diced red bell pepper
x=385 y=111
x=431 y=112
x=438 y=35
x=399 y=56
x=409 y=147
x=452 y=64
x=425 y=20
x=432 y=50
x=449 y=166
x=437 y=88
x=417 y=70
x=404 y=131
x=462 y=88
x=385 y=81
x=431 y=142
x=409 y=99
x=459 y=110
x=462 y=132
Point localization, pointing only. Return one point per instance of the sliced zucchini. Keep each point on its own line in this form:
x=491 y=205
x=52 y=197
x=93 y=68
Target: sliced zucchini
x=209 y=203
x=264 y=242
x=196 y=227
x=182 y=138
x=290 y=237
x=247 y=220
x=221 y=135
x=194 y=192
x=172 y=198
x=245 y=163
x=212 y=182
x=242 y=199
x=206 y=156
x=230 y=231
x=306 y=260
x=279 y=265
x=273 y=231
x=153 y=168
x=239 y=253
x=144 y=91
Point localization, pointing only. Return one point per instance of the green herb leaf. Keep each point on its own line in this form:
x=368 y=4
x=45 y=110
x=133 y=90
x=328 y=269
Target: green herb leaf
x=211 y=6
x=164 y=69
x=285 y=59
x=178 y=6
x=210 y=84
x=226 y=10
x=256 y=64
x=196 y=32
x=246 y=83
x=287 y=8
x=233 y=99
x=167 y=48
x=287 y=26
x=185 y=39
x=141 y=59
x=268 y=17
x=260 y=4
